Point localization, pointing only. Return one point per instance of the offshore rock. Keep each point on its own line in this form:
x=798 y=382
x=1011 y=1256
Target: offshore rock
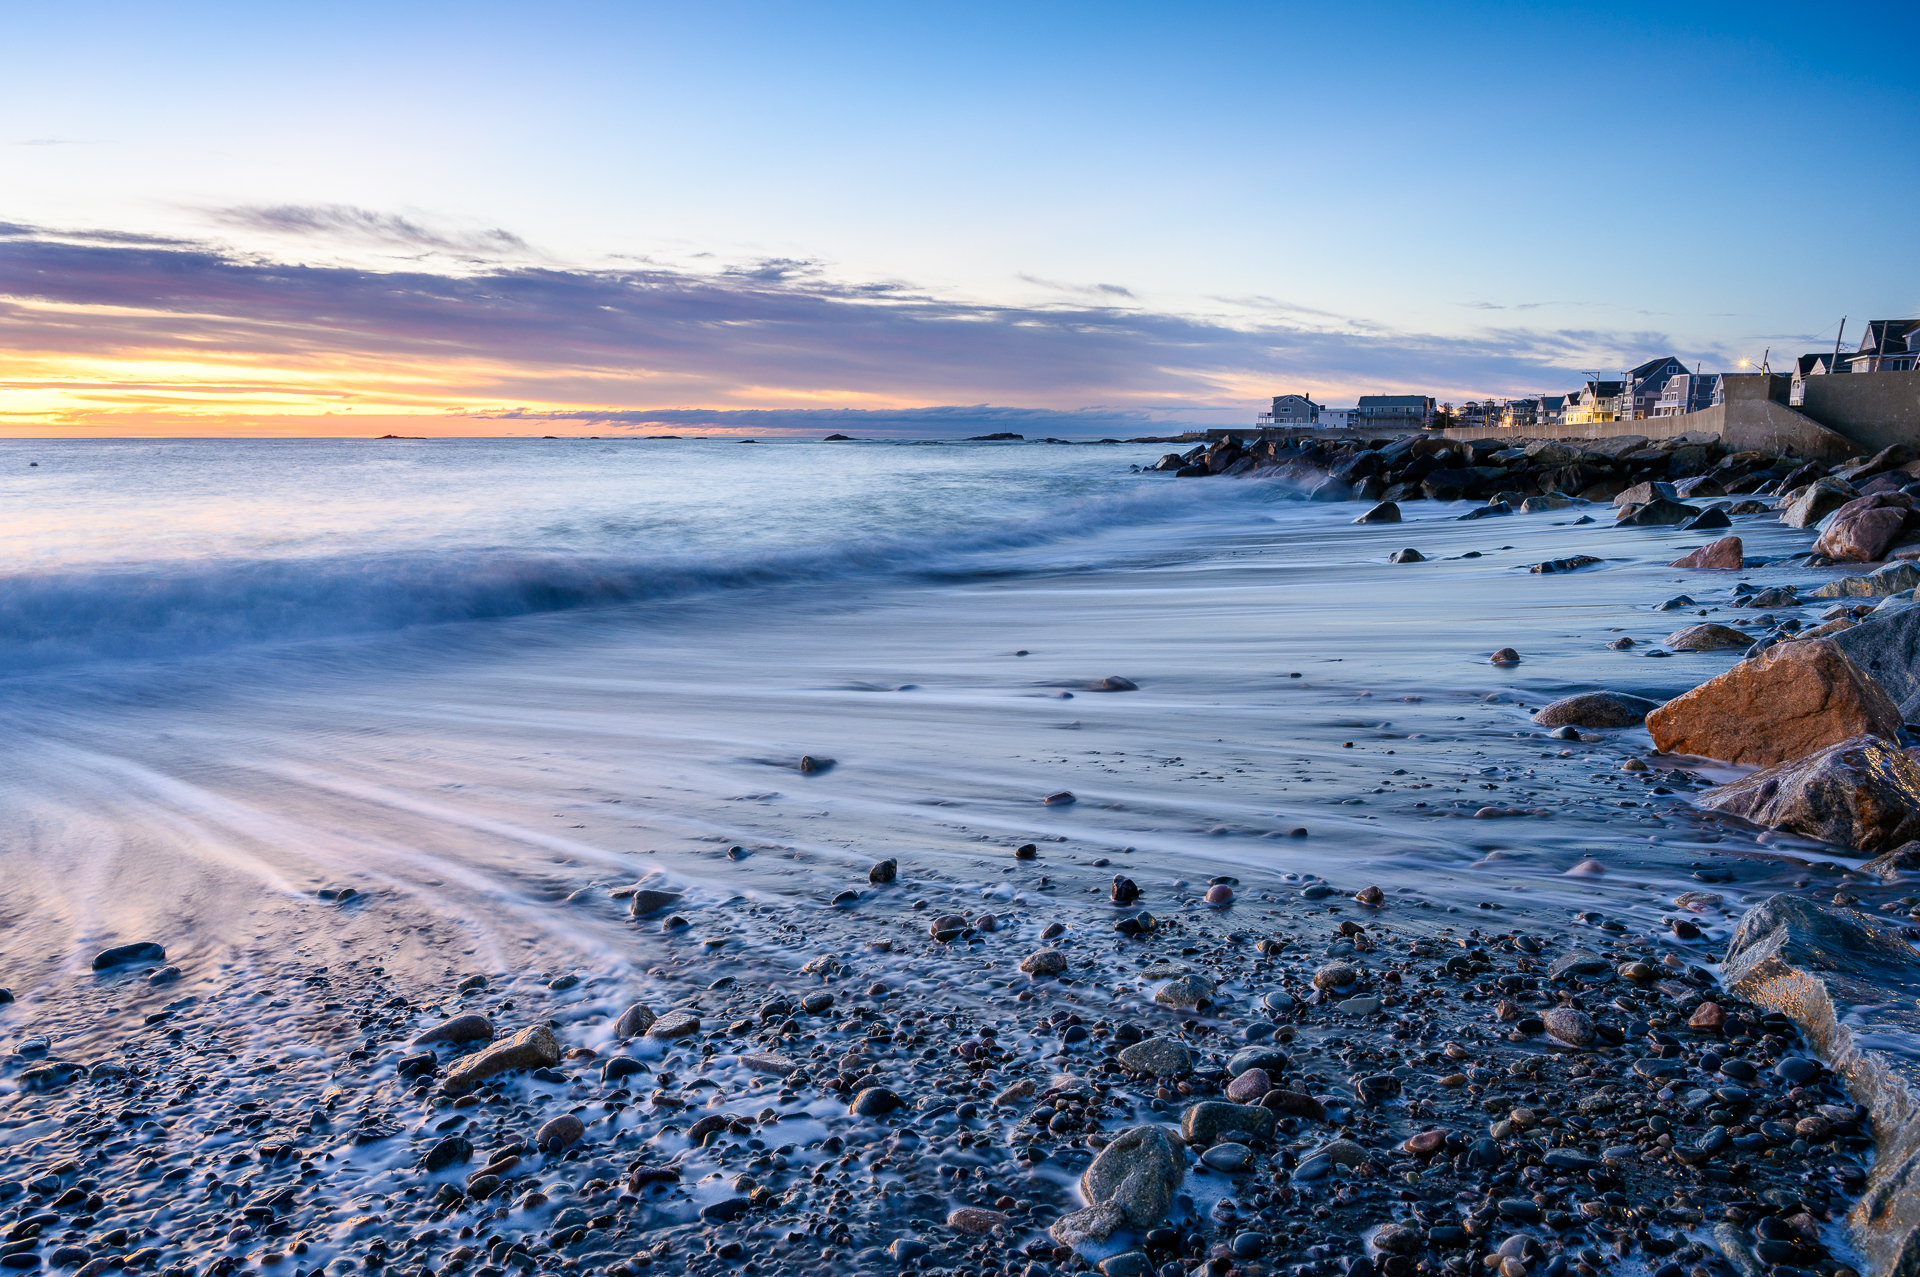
x=1834 y=973
x=1725 y=555
x=1596 y=709
x=1133 y=1182
x=1861 y=793
x=1385 y=512
x=531 y=1048
x=1789 y=701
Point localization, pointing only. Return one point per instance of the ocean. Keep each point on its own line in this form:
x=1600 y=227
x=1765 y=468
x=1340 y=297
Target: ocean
x=484 y=682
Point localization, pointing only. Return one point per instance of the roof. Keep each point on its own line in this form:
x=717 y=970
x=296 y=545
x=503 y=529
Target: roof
x=1887 y=336
x=1653 y=366
x=1396 y=401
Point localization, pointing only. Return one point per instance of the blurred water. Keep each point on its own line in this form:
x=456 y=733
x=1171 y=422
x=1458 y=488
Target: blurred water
x=471 y=679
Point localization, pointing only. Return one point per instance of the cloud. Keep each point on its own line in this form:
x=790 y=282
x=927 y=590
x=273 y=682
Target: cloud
x=343 y=221
x=87 y=309
x=1084 y=290
x=944 y=421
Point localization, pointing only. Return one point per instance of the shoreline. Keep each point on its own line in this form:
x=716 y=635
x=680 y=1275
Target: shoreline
x=1379 y=1072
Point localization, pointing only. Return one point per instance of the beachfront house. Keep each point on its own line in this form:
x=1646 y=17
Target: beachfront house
x=1686 y=392
x=1890 y=345
x=1594 y=403
x=1394 y=412
x=1644 y=386
x=1290 y=410
x=1521 y=414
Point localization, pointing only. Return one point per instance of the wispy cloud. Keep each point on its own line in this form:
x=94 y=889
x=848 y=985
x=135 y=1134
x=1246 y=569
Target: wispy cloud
x=107 y=315
x=343 y=221
x=1081 y=290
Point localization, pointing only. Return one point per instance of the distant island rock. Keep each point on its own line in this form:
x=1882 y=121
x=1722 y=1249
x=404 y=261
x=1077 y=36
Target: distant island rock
x=992 y=438
x=838 y=439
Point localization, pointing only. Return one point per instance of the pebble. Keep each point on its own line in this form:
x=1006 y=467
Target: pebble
x=976 y=1220
x=885 y=871
x=1157 y=1057
x=559 y=1133
x=1249 y=1087
x=674 y=1024
x=1575 y=1028
x=634 y=1021
x=1335 y=975
x=1044 y=962
x=1184 y=992
x=126 y=954
x=1231 y=1158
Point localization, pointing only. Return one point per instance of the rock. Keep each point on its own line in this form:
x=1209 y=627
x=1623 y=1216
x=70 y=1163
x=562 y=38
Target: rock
x=1707 y=520
x=1850 y=984
x=1220 y=894
x=1249 y=1087
x=1544 y=502
x=886 y=871
x=1184 y=992
x=1060 y=799
x=1859 y=793
x=1385 y=512
x=1230 y=1158
x=559 y=1133
x=1596 y=709
x=1888 y=648
x=813 y=764
x=1294 y=1104
x=1655 y=514
x=1578 y=964
x=1406 y=556
x=1488 y=511
x=634 y=1021
x=875 y=1101
x=446 y=1152
x=1114 y=683
x=976 y=1220
x=1700 y=487
x=674 y=1024
x=1157 y=1057
x=646 y=902
x=1725 y=555
x=533 y=1047
x=1644 y=493
x=1821 y=498
x=947 y=928
x=1204 y=1122
x=1708 y=638
x=1371 y=896
x=1128 y=1263
x=769 y=1062
x=1862 y=530
x=461 y=1028
x=1044 y=962
x=1270 y=1060
x=1335 y=975
x=1891 y=579
x=1789 y=701
x=1505 y=656
x=1131 y=1183
x=123 y=955
x=1890 y=864
x=1565 y=1024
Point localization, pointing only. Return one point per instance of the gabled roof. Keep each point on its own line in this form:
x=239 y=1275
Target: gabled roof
x=1396 y=401
x=1653 y=366
x=1886 y=336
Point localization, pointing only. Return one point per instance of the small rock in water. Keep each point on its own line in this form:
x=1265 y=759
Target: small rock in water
x=1575 y=1028
x=1125 y=890
x=559 y=1133
x=1408 y=555
x=1596 y=709
x=461 y=1028
x=1587 y=869
x=1044 y=962
x=874 y=1101
x=531 y=1048
x=123 y=955
x=1220 y=895
x=1157 y=1057
x=1335 y=975
x=674 y=1024
x=1369 y=896
x=634 y=1021
x=1385 y=512
x=1060 y=799
x=810 y=764
x=886 y=871
x=1505 y=656
x=1026 y=851
x=645 y=902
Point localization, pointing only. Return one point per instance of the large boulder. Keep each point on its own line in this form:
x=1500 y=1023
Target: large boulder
x=1596 y=709
x=1862 y=530
x=1891 y=457
x=1702 y=487
x=1385 y=512
x=1820 y=499
x=1645 y=493
x=1789 y=701
x=1725 y=555
x=1861 y=793
x=1852 y=985
x=1132 y=1182
x=1888 y=648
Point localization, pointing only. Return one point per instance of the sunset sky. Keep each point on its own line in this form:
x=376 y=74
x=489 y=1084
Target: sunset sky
x=487 y=218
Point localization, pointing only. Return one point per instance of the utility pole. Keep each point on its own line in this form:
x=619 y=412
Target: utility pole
x=1836 y=344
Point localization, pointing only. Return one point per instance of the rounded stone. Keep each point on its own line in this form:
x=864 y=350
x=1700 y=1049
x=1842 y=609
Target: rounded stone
x=1574 y=1028
x=1044 y=962
x=559 y=1133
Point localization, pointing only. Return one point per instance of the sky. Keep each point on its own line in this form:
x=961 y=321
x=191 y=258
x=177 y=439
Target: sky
x=429 y=218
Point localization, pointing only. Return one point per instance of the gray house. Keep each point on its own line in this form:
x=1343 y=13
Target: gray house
x=1394 y=412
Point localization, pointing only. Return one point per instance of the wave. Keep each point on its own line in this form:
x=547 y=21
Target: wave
x=188 y=608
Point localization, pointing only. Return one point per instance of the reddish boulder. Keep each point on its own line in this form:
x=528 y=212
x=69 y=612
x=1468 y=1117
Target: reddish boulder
x=1862 y=793
x=1725 y=555
x=1789 y=701
x=1862 y=530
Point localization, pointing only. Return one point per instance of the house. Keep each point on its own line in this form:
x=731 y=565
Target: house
x=1290 y=410
x=1521 y=414
x=1394 y=412
x=1644 y=385
x=1597 y=401
x=1337 y=418
x=1816 y=365
x=1891 y=345
x=1475 y=413
x=1553 y=411
x=1686 y=392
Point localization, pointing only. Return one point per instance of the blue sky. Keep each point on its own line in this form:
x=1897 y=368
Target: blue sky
x=1211 y=203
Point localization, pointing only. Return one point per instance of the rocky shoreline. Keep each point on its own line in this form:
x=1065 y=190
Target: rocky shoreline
x=1306 y=1076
